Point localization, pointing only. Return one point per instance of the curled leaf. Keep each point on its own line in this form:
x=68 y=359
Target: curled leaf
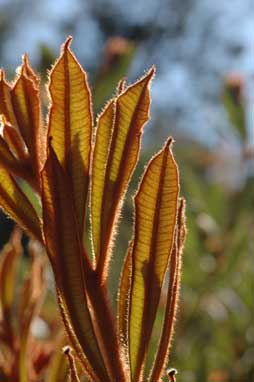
x=115 y=155
x=161 y=358
x=8 y=270
x=155 y=221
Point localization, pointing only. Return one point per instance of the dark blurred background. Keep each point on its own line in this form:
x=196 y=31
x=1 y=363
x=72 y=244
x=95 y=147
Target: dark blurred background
x=203 y=95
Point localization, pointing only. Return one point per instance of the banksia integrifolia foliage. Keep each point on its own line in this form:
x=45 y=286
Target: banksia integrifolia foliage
x=68 y=165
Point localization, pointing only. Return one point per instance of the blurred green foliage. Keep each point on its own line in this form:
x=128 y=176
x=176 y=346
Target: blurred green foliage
x=214 y=339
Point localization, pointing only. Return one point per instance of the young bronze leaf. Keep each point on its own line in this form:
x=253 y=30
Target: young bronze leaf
x=26 y=105
x=116 y=152
x=15 y=204
x=100 y=155
x=29 y=72
x=70 y=124
x=155 y=220
x=65 y=252
x=12 y=155
x=5 y=100
x=89 y=372
x=40 y=132
x=8 y=269
x=161 y=358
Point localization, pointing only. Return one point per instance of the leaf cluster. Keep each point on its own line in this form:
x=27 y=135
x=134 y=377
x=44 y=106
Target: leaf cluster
x=70 y=165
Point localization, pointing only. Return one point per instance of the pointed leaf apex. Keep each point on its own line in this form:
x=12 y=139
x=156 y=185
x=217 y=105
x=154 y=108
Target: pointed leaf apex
x=25 y=64
x=67 y=43
x=25 y=59
x=152 y=71
x=66 y=350
x=2 y=74
x=73 y=371
x=149 y=75
x=169 y=143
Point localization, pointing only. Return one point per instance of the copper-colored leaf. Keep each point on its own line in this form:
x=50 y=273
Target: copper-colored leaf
x=155 y=220
x=6 y=107
x=161 y=358
x=29 y=72
x=26 y=106
x=70 y=124
x=8 y=270
x=86 y=366
x=105 y=326
x=67 y=257
x=100 y=154
x=116 y=152
x=8 y=119
x=7 y=159
x=17 y=206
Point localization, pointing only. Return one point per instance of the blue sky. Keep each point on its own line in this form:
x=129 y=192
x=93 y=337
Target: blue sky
x=217 y=39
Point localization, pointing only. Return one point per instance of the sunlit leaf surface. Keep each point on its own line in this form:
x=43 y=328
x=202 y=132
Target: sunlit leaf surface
x=155 y=220
x=70 y=124
x=116 y=152
x=52 y=164
x=66 y=254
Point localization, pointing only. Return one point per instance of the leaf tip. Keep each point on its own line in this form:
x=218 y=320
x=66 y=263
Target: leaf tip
x=149 y=75
x=67 y=43
x=73 y=371
x=66 y=350
x=25 y=59
x=2 y=74
x=169 y=143
x=152 y=71
x=171 y=373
